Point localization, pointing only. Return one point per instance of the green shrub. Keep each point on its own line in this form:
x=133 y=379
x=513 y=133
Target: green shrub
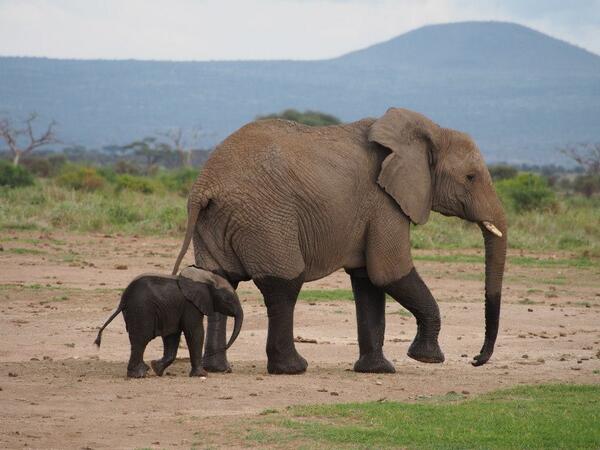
x=526 y=192
x=80 y=178
x=134 y=183
x=14 y=176
x=180 y=180
x=120 y=214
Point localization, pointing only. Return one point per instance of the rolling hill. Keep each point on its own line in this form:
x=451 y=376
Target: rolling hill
x=520 y=93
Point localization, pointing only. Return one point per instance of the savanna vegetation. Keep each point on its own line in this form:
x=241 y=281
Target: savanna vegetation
x=138 y=197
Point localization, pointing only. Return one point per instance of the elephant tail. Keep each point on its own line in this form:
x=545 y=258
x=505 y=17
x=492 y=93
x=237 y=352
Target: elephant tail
x=194 y=208
x=120 y=308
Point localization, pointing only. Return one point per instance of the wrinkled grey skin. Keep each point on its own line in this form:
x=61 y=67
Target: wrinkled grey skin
x=282 y=203
x=158 y=305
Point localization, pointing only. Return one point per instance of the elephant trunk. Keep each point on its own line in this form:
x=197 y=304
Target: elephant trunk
x=495 y=238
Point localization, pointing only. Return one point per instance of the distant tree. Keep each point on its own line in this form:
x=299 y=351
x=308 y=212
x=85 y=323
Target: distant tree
x=22 y=141
x=586 y=155
x=308 y=117
x=183 y=144
x=151 y=151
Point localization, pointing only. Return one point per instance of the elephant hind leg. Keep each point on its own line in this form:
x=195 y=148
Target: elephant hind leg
x=280 y=298
x=413 y=294
x=170 y=347
x=370 y=315
x=137 y=368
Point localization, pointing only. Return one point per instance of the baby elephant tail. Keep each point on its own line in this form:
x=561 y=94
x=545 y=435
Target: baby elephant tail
x=110 y=319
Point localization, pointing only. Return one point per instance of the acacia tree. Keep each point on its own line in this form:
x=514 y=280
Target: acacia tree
x=151 y=151
x=587 y=155
x=22 y=141
x=182 y=145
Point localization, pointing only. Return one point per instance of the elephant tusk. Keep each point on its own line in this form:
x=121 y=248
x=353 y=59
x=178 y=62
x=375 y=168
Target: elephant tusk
x=492 y=228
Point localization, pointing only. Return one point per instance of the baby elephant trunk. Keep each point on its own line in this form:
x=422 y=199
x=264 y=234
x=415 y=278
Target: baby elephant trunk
x=238 y=315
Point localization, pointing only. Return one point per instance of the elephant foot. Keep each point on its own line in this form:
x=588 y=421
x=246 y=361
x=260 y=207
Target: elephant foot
x=427 y=351
x=373 y=362
x=158 y=366
x=139 y=371
x=291 y=365
x=198 y=372
x=216 y=363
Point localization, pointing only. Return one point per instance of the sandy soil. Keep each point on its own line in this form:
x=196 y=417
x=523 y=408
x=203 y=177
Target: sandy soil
x=58 y=391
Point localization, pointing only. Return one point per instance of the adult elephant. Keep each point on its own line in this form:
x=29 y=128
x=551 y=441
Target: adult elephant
x=282 y=203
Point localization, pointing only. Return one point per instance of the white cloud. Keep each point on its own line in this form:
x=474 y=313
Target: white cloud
x=253 y=29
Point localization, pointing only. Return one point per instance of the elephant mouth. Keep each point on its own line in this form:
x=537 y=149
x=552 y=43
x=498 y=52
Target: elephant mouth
x=491 y=228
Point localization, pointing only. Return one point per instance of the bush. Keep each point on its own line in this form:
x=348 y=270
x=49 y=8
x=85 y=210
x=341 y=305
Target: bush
x=14 y=176
x=180 y=180
x=587 y=185
x=502 y=172
x=44 y=166
x=526 y=192
x=134 y=183
x=80 y=178
x=125 y=167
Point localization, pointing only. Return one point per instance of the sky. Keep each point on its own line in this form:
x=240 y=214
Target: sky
x=260 y=29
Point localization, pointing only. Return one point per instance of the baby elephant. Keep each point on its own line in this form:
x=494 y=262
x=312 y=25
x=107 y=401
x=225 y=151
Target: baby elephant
x=164 y=305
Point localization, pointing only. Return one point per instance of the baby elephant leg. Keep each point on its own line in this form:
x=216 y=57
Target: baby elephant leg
x=193 y=329
x=136 y=368
x=170 y=346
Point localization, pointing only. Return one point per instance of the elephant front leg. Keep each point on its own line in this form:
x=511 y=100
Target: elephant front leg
x=370 y=318
x=280 y=298
x=216 y=359
x=413 y=294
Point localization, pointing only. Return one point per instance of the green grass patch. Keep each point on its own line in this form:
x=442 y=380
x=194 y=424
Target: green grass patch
x=530 y=261
x=24 y=251
x=547 y=416
x=326 y=294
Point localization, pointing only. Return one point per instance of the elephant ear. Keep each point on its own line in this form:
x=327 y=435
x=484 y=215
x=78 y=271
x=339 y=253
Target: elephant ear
x=406 y=172
x=196 y=291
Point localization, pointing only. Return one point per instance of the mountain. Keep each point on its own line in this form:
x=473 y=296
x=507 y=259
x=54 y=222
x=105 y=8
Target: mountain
x=520 y=93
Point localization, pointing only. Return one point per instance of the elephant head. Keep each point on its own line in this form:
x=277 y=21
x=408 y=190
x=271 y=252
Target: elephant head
x=434 y=168
x=222 y=299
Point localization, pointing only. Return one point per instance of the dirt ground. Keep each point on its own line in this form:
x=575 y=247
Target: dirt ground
x=58 y=391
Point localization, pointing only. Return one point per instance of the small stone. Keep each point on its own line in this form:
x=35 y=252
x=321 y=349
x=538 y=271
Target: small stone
x=464 y=355
x=227 y=397
x=12 y=375
x=259 y=378
x=335 y=394
x=378 y=383
x=541 y=360
x=253 y=394
x=465 y=392
x=525 y=356
x=322 y=390
x=529 y=310
x=575 y=368
x=121 y=267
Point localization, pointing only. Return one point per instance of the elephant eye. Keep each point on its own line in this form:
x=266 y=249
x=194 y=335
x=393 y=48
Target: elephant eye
x=470 y=178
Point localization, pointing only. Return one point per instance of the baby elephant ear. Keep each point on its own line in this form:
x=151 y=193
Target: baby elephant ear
x=196 y=292
x=406 y=172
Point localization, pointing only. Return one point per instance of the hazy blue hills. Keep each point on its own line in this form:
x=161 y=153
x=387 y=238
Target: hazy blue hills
x=520 y=93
